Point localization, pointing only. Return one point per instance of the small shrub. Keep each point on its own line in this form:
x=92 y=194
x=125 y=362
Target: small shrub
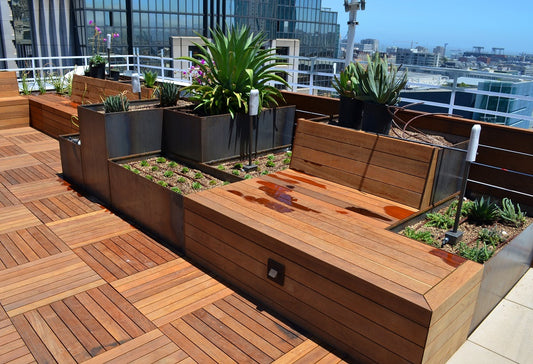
x=144 y=163
x=168 y=174
x=162 y=183
x=196 y=185
x=184 y=170
x=149 y=177
x=127 y=167
x=198 y=175
x=25 y=84
x=221 y=167
x=150 y=77
x=511 y=215
x=264 y=173
x=168 y=94
x=177 y=190
x=483 y=211
x=490 y=236
x=480 y=253
x=116 y=103
x=236 y=172
x=172 y=164
x=441 y=221
x=136 y=171
x=465 y=208
x=181 y=180
x=225 y=183
x=161 y=160
x=212 y=182
x=247 y=176
x=287 y=161
x=270 y=164
x=270 y=157
x=155 y=168
x=420 y=235
x=289 y=154
x=238 y=166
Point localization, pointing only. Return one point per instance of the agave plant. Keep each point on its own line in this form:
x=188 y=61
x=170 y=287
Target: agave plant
x=116 y=103
x=380 y=82
x=483 y=211
x=347 y=84
x=168 y=94
x=150 y=77
x=231 y=65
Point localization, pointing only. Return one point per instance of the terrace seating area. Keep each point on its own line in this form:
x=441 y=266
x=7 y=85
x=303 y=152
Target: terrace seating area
x=79 y=284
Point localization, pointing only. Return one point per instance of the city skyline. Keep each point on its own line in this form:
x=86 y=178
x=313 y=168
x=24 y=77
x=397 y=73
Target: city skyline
x=461 y=24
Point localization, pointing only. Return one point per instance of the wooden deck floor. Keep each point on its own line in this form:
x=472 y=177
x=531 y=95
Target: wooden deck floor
x=79 y=284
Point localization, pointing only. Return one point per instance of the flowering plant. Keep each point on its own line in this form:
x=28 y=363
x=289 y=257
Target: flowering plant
x=198 y=75
x=98 y=42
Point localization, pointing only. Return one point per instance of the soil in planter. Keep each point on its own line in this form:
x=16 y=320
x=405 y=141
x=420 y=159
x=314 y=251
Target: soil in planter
x=137 y=107
x=176 y=176
x=266 y=163
x=434 y=236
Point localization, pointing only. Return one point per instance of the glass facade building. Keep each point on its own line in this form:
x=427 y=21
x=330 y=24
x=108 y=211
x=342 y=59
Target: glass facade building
x=61 y=27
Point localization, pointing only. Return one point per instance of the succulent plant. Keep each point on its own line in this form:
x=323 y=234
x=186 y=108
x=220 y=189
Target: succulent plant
x=116 y=103
x=511 y=215
x=150 y=77
x=483 y=211
x=168 y=94
x=347 y=84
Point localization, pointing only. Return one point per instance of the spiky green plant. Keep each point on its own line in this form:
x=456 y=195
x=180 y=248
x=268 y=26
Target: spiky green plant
x=347 y=84
x=483 y=211
x=231 y=65
x=380 y=82
x=511 y=215
x=168 y=94
x=150 y=77
x=116 y=103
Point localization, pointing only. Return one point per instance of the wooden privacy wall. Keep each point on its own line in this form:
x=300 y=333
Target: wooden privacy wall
x=14 y=111
x=397 y=170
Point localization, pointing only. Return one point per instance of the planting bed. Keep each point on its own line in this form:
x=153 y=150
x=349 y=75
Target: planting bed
x=176 y=176
x=266 y=164
x=494 y=235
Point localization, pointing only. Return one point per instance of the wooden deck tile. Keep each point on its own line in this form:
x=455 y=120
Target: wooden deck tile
x=34 y=173
x=80 y=327
x=59 y=206
x=39 y=189
x=29 y=137
x=10 y=150
x=17 y=161
x=124 y=255
x=51 y=158
x=40 y=146
x=38 y=283
x=26 y=245
x=17 y=131
x=148 y=348
x=7 y=198
x=16 y=217
x=171 y=290
x=89 y=228
x=12 y=347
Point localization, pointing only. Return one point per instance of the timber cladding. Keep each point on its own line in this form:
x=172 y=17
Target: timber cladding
x=375 y=295
x=14 y=111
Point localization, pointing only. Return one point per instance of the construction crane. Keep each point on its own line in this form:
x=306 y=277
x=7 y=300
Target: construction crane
x=352 y=6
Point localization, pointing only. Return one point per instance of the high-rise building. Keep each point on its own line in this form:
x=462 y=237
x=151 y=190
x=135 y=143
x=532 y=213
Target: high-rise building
x=413 y=57
x=370 y=44
x=61 y=27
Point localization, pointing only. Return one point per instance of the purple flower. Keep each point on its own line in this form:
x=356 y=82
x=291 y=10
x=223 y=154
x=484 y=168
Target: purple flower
x=97 y=29
x=90 y=22
x=105 y=40
x=202 y=61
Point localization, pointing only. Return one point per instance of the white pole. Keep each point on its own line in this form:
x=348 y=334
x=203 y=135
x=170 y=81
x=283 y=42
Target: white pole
x=352 y=6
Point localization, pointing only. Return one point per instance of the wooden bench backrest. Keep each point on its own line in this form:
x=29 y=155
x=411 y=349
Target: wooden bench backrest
x=390 y=168
x=8 y=84
x=90 y=90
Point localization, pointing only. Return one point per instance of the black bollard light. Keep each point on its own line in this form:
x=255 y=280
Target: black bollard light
x=253 y=110
x=453 y=236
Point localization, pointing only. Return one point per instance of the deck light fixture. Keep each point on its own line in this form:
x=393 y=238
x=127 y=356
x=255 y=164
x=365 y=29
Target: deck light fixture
x=454 y=236
x=253 y=110
x=136 y=84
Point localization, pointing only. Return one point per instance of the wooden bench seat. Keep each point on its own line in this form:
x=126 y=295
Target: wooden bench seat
x=376 y=295
x=53 y=114
x=14 y=111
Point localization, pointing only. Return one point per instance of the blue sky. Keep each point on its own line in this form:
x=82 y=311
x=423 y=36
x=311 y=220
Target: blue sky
x=462 y=24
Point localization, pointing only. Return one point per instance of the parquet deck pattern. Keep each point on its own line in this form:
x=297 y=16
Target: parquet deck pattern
x=79 y=284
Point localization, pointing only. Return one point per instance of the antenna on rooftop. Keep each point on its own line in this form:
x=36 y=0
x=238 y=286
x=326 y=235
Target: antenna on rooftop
x=351 y=6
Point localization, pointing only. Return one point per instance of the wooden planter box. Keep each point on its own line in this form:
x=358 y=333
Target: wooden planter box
x=210 y=138
x=114 y=135
x=71 y=159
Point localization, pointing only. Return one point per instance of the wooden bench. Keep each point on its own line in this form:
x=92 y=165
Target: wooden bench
x=13 y=107
x=319 y=227
x=53 y=114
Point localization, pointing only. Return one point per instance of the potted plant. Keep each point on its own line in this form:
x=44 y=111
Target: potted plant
x=150 y=78
x=223 y=74
x=97 y=62
x=380 y=86
x=350 y=107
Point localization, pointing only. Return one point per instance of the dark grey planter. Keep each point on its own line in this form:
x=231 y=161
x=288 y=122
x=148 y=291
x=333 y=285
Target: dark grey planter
x=70 y=152
x=376 y=118
x=155 y=208
x=114 y=135
x=210 y=138
x=350 y=113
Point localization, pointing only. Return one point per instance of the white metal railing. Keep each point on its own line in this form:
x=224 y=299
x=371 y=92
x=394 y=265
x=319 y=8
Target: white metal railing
x=311 y=75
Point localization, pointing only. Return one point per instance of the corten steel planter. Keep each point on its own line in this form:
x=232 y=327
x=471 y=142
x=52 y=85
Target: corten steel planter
x=155 y=208
x=114 y=135
x=210 y=138
x=70 y=152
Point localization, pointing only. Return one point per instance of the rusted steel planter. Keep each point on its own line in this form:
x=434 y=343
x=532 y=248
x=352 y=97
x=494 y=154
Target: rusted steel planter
x=71 y=159
x=114 y=135
x=210 y=138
